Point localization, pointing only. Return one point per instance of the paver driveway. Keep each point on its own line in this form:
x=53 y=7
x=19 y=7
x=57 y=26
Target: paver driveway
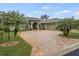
x=45 y=42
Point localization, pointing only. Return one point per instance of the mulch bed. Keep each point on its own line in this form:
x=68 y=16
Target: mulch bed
x=11 y=43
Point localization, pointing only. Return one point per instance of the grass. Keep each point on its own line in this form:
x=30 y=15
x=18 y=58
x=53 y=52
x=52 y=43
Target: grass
x=72 y=34
x=21 y=49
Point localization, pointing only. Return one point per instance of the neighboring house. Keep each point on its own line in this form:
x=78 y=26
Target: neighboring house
x=38 y=24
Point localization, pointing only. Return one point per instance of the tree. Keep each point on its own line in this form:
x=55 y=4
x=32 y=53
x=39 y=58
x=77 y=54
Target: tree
x=44 y=17
x=7 y=23
x=65 y=26
x=1 y=32
x=76 y=24
x=19 y=18
x=11 y=18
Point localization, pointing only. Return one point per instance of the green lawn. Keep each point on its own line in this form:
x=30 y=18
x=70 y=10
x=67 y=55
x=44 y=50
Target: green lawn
x=73 y=34
x=21 y=49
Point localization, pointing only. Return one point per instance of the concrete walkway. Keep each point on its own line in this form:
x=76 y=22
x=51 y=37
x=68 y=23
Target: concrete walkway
x=45 y=42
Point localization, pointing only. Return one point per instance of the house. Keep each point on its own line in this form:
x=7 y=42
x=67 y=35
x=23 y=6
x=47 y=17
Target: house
x=38 y=24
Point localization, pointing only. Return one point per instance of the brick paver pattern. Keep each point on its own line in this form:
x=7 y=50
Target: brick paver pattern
x=46 y=42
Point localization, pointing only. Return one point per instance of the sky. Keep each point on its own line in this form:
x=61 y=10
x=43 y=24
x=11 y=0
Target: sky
x=53 y=10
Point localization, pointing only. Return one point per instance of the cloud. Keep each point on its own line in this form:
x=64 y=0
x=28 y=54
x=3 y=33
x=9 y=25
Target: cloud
x=52 y=11
x=62 y=12
x=39 y=12
x=32 y=15
x=48 y=7
x=76 y=13
x=65 y=11
x=45 y=9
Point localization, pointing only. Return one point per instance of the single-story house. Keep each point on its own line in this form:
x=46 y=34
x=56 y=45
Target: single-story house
x=38 y=24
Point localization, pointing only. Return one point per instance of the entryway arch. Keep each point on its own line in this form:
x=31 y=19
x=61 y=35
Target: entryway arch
x=35 y=25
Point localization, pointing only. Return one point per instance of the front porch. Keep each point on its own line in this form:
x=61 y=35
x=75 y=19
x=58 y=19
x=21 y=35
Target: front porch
x=37 y=26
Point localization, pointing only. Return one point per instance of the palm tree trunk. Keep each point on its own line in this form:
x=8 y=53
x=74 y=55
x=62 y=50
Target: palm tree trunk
x=9 y=36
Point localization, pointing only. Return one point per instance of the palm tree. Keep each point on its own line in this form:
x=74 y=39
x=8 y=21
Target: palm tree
x=44 y=17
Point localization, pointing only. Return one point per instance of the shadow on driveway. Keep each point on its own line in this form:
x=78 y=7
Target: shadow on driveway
x=73 y=53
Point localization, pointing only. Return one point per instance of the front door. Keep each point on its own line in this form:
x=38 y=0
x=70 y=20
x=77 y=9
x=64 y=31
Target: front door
x=35 y=27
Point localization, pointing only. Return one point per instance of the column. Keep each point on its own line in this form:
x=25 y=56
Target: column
x=31 y=26
x=38 y=26
x=45 y=26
